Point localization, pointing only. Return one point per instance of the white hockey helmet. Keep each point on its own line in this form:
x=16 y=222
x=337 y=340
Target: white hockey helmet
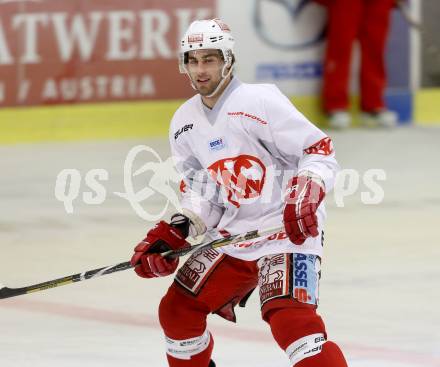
x=204 y=35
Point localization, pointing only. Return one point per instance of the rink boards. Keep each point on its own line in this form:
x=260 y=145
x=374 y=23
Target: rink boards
x=294 y=63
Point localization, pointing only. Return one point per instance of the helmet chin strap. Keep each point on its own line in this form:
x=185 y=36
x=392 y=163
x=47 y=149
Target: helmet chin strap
x=222 y=82
x=219 y=85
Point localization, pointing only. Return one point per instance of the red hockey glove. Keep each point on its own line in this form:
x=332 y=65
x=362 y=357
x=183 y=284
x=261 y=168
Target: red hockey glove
x=305 y=195
x=147 y=260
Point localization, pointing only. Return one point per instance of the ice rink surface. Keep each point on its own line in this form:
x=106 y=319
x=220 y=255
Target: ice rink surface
x=379 y=289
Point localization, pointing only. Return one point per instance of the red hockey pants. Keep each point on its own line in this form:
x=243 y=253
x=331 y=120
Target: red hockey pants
x=183 y=315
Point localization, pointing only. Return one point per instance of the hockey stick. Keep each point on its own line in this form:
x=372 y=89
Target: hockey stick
x=6 y=292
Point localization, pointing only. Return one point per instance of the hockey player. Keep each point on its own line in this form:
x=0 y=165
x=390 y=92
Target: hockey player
x=249 y=160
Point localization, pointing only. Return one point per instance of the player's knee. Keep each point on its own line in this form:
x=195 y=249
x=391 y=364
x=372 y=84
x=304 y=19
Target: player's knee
x=170 y=311
x=180 y=316
x=289 y=324
x=299 y=331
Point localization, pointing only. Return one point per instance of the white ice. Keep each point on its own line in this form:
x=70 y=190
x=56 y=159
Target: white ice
x=380 y=282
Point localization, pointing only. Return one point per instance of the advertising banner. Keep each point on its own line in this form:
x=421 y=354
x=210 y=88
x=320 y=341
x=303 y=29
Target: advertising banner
x=278 y=42
x=74 y=51
x=77 y=51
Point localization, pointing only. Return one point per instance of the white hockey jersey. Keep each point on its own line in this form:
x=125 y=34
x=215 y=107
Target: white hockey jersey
x=237 y=158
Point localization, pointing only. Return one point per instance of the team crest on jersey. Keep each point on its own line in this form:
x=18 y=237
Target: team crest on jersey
x=242 y=177
x=217 y=144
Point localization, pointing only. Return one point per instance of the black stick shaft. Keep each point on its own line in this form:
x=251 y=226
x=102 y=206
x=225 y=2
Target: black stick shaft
x=6 y=292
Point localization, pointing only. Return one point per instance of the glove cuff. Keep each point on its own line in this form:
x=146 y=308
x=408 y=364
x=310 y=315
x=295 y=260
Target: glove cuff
x=180 y=222
x=189 y=223
x=308 y=184
x=313 y=177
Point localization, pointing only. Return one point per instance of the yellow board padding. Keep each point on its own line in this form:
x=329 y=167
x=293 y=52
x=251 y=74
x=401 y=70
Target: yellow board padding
x=86 y=121
x=427 y=106
x=120 y=120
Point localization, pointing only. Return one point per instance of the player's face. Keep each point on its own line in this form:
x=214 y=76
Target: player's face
x=205 y=67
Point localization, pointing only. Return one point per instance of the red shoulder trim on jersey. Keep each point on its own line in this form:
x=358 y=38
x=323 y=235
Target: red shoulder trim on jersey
x=323 y=147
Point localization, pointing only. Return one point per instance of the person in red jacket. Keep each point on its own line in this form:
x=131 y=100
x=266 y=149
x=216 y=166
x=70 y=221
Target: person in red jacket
x=368 y=22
